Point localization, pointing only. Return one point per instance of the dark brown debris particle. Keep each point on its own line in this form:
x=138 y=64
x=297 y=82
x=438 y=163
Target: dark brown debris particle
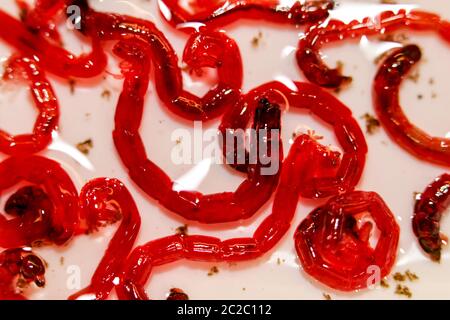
x=411 y=275
x=72 y=84
x=106 y=94
x=400 y=277
x=403 y=291
x=326 y=296
x=214 y=270
x=85 y=146
x=182 y=230
x=177 y=294
x=372 y=123
x=384 y=283
x=257 y=39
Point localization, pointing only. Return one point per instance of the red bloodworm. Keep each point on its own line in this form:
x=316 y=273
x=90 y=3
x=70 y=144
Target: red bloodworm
x=49 y=210
x=387 y=104
x=19 y=264
x=40 y=18
x=45 y=100
x=105 y=201
x=45 y=175
x=51 y=55
x=213 y=208
x=218 y=13
x=309 y=58
x=428 y=213
x=347 y=171
x=206 y=49
x=305 y=153
x=333 y=241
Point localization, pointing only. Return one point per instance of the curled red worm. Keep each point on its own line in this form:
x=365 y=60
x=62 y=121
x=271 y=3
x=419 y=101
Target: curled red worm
x=205 y=49
x=45 y=100
x=213 y=208
x=50 y=211
x=346 y=172
x=386 y=96
x=52 y=56
x=217 y=13
x=304 y=154
x=19 y=264
x=428 y=211
x=310 y=60
x=105 y=201
x=59 y=189
x=334 y=249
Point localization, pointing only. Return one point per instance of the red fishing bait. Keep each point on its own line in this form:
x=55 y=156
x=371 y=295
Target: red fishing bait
x=58 y=222
x=50 y=211
x=217 y=13
x=19 y=265
x=305 y=153
x=335 y=249
x=206 y=49
x=428 y=213
x=106 y=201
x=348 y=169
x=45 y=100
x=386 y=96
x=28 y=39
x=213 y=208
x=309 y=58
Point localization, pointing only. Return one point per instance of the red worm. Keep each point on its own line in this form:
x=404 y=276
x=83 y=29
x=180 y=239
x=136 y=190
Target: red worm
x=335 y=250
x=206 y=49
x=51 y=55
x=48 y=175
x=105 y=201
x=45 y=100
x=346 y=172
x=50 y=211
x=213 y=208
x=304 y=154
x=386 y=96
x=217 y=13
x=428 y=211
x=19 y=265
x=309 y=58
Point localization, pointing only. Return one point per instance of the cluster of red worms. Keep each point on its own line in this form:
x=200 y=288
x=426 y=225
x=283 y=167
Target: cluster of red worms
x=332 y=244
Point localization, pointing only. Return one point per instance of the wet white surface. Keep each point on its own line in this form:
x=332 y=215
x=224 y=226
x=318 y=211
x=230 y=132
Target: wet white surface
x=390 y=171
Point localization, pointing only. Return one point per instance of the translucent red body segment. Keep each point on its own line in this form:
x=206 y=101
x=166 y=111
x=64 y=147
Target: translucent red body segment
x=335 y=249
x=36 y=37
x=207 y=48
x=59 y=190
x=19 y=264
x=218 y=13
x=213 y=208
x=341 y=174
x=428 y=211
x=309 y=57
x=45 y=100
x=105 y=201
x=304 y=155
x=387 y=103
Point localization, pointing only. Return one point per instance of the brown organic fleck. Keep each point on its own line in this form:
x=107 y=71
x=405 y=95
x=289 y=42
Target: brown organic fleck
x=85 y=146
x=177 y=294
x=214 y=270
x=326 y=296
x=182 y=230
x=403 y=291
x=372 y=123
